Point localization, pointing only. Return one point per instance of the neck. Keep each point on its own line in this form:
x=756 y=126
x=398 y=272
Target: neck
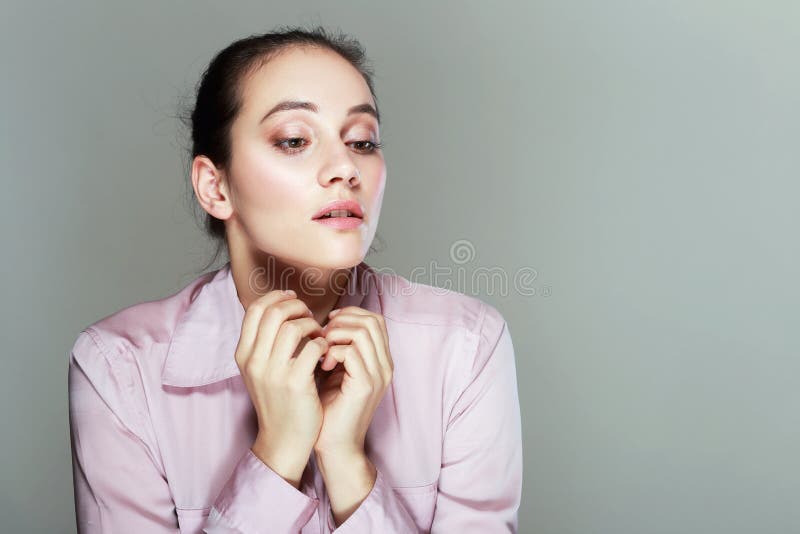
x=319 y=288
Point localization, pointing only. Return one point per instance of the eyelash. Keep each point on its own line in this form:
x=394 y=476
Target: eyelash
x=293 y=150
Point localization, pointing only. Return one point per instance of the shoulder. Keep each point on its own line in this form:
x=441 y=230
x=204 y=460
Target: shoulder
x=408 y=302
x=443 y=333
x=139 y=325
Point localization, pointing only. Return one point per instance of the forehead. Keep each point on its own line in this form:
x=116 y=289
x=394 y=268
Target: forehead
x=310 y=74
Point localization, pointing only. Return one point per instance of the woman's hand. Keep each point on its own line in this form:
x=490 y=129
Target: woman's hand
x=352 y=391
x=282 y=387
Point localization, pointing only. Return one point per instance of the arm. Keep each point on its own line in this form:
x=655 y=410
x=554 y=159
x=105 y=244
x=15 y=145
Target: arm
x=480 y=483
x=120 y=485
x=256 y=499
x=379 y=511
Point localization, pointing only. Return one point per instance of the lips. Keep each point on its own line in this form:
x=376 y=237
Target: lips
x=350 y=206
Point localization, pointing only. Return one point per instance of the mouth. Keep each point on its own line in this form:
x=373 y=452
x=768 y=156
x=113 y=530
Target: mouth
x=340 y=220
x=340 y=214
x=337 y=214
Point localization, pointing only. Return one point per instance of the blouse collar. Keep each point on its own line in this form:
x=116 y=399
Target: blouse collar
x=202 y=348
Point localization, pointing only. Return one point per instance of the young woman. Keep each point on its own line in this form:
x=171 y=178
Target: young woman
x=356 y=401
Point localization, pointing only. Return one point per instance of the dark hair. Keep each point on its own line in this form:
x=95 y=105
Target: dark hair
x=219 y=97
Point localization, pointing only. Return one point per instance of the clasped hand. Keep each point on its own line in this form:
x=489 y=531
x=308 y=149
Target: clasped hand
x=302 y=404
x=355 y=372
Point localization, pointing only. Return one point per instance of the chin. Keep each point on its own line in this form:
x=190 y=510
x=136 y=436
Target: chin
x=341 y=259
x=338 y=252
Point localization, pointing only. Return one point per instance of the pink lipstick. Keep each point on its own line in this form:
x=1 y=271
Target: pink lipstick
x=340 y=214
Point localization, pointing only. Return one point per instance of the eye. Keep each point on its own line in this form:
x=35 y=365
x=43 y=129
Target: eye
x=367 y=147
x=290 y=144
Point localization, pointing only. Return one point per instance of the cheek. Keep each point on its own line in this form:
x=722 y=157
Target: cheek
x=268 y=187
x=271 y=202
x=374 y=185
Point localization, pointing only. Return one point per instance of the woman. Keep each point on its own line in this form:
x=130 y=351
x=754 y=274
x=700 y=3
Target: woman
x=356 y=401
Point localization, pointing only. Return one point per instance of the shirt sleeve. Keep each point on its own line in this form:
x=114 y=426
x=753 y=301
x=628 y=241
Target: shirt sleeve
x=480 y=481
x=380 y=511
x=256 y=499
x=119 y=486
x=119 y=482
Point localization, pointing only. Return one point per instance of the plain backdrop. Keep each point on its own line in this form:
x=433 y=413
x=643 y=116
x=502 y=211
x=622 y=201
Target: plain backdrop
x=639 y=158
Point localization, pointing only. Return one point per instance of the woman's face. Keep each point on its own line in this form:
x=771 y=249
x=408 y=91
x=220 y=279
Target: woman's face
x=289 y=164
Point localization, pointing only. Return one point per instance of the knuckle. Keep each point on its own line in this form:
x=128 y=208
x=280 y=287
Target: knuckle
x=252 y=367
x=273 y=313
x=272 y=297
x=256 y=307
x=338 y=352
x=321 y=343
x=290 y=329
x=362 y=334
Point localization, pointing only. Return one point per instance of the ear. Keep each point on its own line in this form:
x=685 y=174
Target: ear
x=211 y=188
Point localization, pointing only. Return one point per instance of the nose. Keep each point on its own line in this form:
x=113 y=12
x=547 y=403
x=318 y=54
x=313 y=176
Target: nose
x=340 y=167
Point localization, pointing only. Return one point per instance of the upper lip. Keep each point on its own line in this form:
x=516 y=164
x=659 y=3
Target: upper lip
x=350 y=205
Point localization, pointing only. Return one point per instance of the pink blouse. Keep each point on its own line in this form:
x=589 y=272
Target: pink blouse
x=161 y=422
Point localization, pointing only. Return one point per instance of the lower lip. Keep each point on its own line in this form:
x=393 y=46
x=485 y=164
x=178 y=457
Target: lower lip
x=341 y=223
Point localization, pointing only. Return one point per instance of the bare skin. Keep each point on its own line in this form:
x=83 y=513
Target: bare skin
x=284 y=168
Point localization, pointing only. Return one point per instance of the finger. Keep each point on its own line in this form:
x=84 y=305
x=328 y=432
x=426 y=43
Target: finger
x=355 y=310
x=271 y=321
x=373 y=324
x=328 y=362
x=306 y=361
x=252 y=319
x=358 y=336
x=349 y=356
x=288 y=339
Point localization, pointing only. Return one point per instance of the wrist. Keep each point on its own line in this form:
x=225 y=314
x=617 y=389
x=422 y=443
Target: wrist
x=341 y=451
x=290 y=467
x=332 y=463
x=348 y=481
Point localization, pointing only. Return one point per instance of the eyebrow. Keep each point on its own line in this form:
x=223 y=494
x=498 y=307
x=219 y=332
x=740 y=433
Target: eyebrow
x=287 y=105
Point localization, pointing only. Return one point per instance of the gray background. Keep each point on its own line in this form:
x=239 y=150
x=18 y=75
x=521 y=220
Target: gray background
x=640 y=156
